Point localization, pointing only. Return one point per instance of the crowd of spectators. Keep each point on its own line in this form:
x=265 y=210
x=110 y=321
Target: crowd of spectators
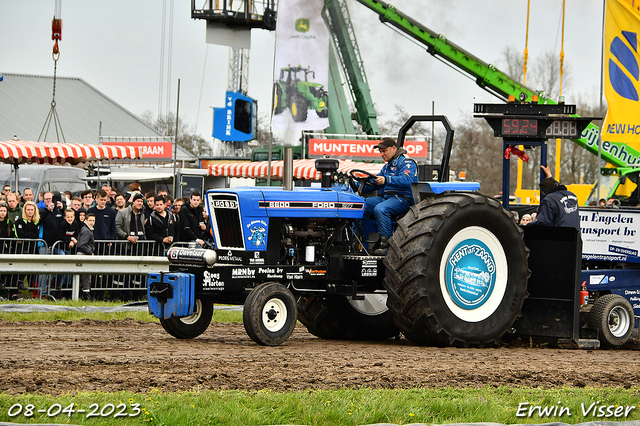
x=92 y=222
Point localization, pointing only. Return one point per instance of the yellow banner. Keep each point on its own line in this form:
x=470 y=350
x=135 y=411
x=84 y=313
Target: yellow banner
x=622 y=73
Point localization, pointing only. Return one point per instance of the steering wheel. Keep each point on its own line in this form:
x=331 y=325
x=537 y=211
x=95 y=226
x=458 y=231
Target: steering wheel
x=361 y=180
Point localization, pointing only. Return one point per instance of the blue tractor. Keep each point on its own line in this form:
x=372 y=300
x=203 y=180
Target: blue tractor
x=456 y=272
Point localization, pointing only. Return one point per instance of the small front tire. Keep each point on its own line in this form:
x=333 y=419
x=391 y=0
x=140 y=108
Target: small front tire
x=612 y=314
x=269 y=314
x=193 y=325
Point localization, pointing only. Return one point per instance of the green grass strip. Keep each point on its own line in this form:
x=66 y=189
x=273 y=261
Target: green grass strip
x=220 y=315
x=329 y=407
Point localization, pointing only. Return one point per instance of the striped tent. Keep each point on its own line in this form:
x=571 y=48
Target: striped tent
x=23 y=152
x=302 y=169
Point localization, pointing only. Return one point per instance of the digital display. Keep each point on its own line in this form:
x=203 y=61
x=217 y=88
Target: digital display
x=563 y=129
x=519 y=127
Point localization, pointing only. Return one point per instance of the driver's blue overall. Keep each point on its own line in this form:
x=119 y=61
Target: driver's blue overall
x=394 y=198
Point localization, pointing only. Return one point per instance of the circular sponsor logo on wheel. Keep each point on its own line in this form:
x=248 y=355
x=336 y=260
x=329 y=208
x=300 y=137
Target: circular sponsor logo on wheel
x=473 y=274
x=470 y=274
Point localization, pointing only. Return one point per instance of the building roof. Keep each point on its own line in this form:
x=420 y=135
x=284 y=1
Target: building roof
x=84 y=112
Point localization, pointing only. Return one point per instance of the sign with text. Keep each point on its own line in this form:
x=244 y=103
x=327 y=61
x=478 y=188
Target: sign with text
x=610 y=234
x=359 y=149
x=149 y=150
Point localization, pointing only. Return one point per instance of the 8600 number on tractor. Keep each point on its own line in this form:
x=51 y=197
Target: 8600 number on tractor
x=456 y=272
x=295 y=91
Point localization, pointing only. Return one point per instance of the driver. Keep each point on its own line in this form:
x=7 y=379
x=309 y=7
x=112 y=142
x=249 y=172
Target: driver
x=394 y=190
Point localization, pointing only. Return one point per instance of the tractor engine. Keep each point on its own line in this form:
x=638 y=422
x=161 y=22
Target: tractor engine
x=313 y=241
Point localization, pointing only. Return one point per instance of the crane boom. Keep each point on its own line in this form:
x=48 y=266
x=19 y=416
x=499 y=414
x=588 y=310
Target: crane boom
x=493 y=80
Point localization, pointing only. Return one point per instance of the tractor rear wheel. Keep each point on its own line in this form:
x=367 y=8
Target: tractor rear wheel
x=269 y=314
x=324 y=113
x=456 y=272
x=612 y=314
x=341 y=318
x=277 y=107
x=299 y=108
x=193 y=325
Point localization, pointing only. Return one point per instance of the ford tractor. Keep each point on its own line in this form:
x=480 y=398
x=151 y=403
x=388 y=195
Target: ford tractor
x=295 y=91
x=456 y=272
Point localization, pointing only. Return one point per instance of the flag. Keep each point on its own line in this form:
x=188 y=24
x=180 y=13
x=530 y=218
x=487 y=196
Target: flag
x=622 y=75
x=302 y=67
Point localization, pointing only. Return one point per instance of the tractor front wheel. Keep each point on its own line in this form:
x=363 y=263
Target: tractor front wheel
x=193 y=325
x=269 y=314
x=342 y=318
x=277 y=101
x=299 y=108
x=324 y=107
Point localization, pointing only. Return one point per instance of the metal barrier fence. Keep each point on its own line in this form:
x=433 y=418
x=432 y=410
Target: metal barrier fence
x=117 y=285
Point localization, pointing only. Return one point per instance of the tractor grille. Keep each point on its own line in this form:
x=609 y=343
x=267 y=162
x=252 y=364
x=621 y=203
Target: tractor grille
x=227 y=225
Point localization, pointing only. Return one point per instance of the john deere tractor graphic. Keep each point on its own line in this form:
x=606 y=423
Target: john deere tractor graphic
x=295 y=91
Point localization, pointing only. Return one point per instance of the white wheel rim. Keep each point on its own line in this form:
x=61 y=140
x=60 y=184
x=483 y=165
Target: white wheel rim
x=473 y=274
x=197 y=313
x=274 y=315
x=618 y=321
x=372 y=305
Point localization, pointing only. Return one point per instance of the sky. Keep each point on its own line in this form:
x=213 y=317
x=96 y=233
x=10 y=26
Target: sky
x=116 y=47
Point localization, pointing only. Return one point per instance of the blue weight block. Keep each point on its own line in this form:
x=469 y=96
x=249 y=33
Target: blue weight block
x=182 y=299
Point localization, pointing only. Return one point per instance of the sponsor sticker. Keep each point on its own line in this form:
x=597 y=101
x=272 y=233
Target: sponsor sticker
x=470 y=274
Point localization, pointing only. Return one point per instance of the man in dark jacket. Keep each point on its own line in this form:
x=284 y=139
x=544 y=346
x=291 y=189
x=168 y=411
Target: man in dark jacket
x=86 y=245
x=51 y=218
x=394 y=190
x=558 y=207
x=192 y=224
x=161 y=224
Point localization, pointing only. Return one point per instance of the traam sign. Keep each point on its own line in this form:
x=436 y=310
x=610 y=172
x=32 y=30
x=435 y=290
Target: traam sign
x=359 y=149
x=150 y=150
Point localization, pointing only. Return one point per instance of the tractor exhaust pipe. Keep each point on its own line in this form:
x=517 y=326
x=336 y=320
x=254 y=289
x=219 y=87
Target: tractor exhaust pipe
x=287 y=173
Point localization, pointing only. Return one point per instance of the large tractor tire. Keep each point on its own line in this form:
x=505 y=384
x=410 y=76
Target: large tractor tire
x=269 y=315
x=456 y=271
x=612 y=314
x=341 y=318
x=324 y=113
x=277 y=101
x=193 y=325
x=299 y=108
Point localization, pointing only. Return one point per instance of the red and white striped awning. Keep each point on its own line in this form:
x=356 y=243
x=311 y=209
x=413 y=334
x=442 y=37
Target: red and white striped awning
x=21 y=152
x=302 y=169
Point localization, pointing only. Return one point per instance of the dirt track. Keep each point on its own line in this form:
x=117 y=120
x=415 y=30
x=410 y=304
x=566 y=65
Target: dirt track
x=57 y=357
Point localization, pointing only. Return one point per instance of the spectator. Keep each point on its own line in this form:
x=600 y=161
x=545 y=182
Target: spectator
x=14 y=211
x=613 y=203
x=6 y=190
x=27 y=195
x=19 y=197
x=149 y=201
x=120 y=202
x=192 y=225
x=133 y=189
x=76 y=204
x=81 y=215
x=5 y=232
x=177 y=205
x=51 y=218
x=69 y=233
x=168 y=202
x=111 y=200
x=27 y=227
x=130 y=221
x=105 y=217
x=602 y=203
x=3 y=198
x=526 y=218
x=67 y=199
x=161 y=224
x=87 y=199
x=70 y=230
x=516 y=216
x=86 y=245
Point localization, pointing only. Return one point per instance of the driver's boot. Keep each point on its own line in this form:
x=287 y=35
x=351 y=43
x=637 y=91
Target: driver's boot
x=383 y=249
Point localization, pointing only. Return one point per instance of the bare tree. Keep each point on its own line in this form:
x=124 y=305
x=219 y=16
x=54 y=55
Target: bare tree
x=187 y=136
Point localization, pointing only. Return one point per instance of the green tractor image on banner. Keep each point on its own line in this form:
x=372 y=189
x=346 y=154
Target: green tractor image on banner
x=295 y=91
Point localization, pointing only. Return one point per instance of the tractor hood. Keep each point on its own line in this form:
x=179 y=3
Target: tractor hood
x=240 y=216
